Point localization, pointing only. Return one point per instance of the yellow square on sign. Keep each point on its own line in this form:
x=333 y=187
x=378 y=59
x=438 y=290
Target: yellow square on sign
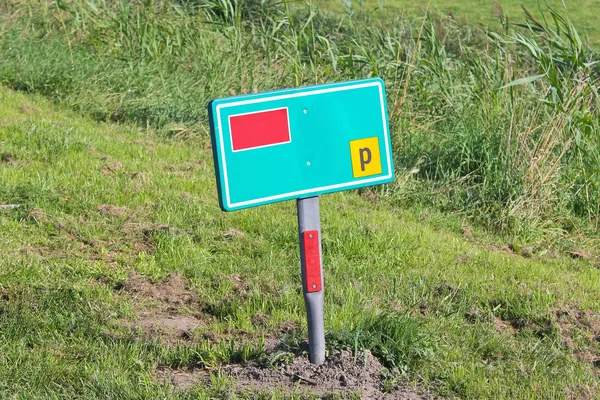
x=365 y=157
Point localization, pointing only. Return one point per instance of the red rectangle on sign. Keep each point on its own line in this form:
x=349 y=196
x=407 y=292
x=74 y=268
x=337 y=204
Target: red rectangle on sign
x=259 y=129
x=312 y=261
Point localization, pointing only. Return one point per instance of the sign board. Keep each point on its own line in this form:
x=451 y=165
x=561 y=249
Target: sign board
x=298 y=143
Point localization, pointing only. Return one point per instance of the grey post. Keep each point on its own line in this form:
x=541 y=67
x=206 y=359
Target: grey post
x=308 y=219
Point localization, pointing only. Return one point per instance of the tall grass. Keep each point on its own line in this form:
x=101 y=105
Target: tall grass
x=500 y=127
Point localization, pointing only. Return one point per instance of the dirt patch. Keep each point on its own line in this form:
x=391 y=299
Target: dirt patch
x=114 y=211
x=138 y=180
x=342 y=374
x=501 y=249
x=467 y=231
x=233 y=233
x=173 y=291
x=288 y=326
x=183 y=380
x=503 y=326
x=260 y=319
x=27 y=108
x=161 y=319
x=142 y=234
x=524 y=251
x=162 y=325
x=38 y=215
x=7 y=158
x=111 y=168
x=369 y=195
x=580 y=333
x=579 y=254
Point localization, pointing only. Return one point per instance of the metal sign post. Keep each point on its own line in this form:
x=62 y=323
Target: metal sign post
x=297 y=144
x=311 y=263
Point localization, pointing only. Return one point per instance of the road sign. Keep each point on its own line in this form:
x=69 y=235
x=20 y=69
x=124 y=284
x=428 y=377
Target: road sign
x=298 y=143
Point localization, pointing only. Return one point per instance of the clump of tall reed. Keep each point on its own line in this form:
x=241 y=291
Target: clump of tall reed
x=500 y=127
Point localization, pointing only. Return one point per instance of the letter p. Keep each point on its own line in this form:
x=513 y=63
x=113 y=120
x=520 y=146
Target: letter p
x=365 y=157
x=366 y=160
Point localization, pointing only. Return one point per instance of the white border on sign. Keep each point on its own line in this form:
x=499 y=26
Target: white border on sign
x=287 y=112
x=301 y=192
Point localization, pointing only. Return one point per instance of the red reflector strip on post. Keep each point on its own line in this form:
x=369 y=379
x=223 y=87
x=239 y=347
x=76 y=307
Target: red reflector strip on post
x=259 y=129
x=312 y=261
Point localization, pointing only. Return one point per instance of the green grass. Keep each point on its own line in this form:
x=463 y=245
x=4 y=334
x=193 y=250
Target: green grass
x=487 y=12
x=423 y=298
x=499 y=127
x=494 y=133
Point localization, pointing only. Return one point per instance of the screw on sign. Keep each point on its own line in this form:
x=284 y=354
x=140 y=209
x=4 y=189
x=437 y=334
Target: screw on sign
x=297 y=144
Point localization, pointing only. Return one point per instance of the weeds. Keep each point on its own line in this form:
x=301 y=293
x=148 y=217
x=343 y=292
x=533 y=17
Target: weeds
x=210 y=355
x=451 y=315
x=398 y=340
x=502 y=128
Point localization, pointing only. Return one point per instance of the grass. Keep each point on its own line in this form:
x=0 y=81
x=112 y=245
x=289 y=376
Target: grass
x=423 y=298
x=500 y=127
x=108 y=161
x=488 y=12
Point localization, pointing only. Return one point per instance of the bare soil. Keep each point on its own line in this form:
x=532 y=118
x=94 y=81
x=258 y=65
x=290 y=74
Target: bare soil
x=6 y=157
x=342 y=374
x=173 y=291
x=111 y=168
x=164 y=326
x=572 y=320
x=572 y=323
x=114 y=211
x=501 y=325
x=27 y=108
x=161 y=319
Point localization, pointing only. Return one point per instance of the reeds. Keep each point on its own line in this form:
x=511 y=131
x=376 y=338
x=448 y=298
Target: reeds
x=500 y=127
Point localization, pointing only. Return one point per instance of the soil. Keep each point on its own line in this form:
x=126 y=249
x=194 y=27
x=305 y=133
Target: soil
x=260 y=319
x=288 y=326
x=162 y=321
x=369 y=195
x=165 y=326
x=467 y=231
x=183 y=380
x=233 y=233
x=501 y=325
x=111 y=168
x=142 y=234
x=114 y=211
x=138 y=180
x=27 y=108
x=173 y=291
x=241 y=287
x=571 y=319
x=38 y=215
x=342 y=374
x=6 y=157
x=579 y=254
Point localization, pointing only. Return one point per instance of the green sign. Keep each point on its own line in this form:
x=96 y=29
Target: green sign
x=301 y=142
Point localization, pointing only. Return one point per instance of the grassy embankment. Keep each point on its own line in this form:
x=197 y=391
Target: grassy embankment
x=522 y=160
x=466 y=319
x=486 y=12
x=101 y=200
